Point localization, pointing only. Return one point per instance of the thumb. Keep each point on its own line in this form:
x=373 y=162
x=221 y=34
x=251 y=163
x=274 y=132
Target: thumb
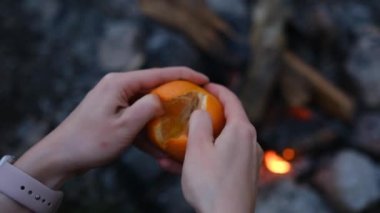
x=140 y=113
x=200 y=139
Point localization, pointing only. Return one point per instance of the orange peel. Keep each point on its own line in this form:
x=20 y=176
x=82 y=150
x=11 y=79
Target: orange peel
x=179 y=99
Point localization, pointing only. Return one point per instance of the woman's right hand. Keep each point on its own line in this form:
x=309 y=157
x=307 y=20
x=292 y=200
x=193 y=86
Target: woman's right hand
x=220 y=175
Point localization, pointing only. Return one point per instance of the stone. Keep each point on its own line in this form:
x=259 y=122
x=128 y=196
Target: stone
x=171 y=199
x=120 y=49
x=230 y=7
x=356 y=179
x=366 y=134
x=47 y=10
x=351 y=16
x=340 y=16
x=167 y=48
x=363 y=67
x=349 y=181
x=119 y=8
x=286 y=196
x=375 y=7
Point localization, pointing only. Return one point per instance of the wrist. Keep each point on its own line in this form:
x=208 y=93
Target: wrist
x=45 y=164
x=225 y=204
x=26 y=190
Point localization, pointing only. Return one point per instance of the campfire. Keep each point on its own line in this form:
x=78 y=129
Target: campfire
x=304 y=116
x=275 y=163
x=307 y=73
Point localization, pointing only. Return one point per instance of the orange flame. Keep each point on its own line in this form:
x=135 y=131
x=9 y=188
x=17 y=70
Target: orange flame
x=275 y=163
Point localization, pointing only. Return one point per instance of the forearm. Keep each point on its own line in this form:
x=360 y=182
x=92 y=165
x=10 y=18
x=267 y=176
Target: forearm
x=41 y=164
x=10 y=206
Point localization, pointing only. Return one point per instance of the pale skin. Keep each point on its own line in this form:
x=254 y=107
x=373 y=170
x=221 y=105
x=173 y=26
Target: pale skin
x=218 y=175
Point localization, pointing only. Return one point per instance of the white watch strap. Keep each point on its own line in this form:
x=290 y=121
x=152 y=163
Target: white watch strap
x=27 y=191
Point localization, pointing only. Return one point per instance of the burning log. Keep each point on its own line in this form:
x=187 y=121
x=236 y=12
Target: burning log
x=318 y=140
x=192 y=18
x=267 y=42
x=295 y=89
x=331 y=98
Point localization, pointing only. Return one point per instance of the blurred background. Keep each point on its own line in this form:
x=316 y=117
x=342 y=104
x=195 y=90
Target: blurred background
x=308 y=73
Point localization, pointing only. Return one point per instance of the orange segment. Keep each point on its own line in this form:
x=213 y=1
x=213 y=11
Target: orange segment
x=175 y=121
x=176 y=147
x=179 y=99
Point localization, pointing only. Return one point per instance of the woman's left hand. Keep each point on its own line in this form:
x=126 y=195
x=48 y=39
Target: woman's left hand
x=103 y=126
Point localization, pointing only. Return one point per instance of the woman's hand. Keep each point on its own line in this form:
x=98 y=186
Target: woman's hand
x=104 y=124
x=219 y=175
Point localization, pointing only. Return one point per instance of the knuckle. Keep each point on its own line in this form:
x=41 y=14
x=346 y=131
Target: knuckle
x=122 y=122
x=109 y=81
x=109 y=77
x=185 y=71
x=245 y=131
x=249 y=132
x=235 y=127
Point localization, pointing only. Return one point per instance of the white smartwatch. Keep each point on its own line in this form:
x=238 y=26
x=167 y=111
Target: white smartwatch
x=26 y=190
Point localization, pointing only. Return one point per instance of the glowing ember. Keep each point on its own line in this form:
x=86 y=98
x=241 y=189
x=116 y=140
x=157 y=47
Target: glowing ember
x=288 y=154
x=275 y=163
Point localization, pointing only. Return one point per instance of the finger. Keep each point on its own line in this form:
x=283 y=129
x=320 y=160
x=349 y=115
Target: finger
x=233 y=108
x=259 y=154
x=135 y=117
x=150 y=149
x=163 y=159
x=200 y=138
x=170 y=165
x=238 y=134
x=257 y=163
x=143 y=80
x=237 y=138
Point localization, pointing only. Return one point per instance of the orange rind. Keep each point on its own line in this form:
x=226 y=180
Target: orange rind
x=179 y=99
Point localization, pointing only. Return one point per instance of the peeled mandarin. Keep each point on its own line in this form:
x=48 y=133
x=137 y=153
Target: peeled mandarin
x=179 y=99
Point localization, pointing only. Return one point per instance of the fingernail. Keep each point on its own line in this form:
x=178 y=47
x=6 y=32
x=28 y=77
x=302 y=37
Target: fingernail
x=160 y=110
x=206 y=77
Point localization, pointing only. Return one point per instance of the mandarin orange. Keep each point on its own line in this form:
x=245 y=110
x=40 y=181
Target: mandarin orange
x=179 y=99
